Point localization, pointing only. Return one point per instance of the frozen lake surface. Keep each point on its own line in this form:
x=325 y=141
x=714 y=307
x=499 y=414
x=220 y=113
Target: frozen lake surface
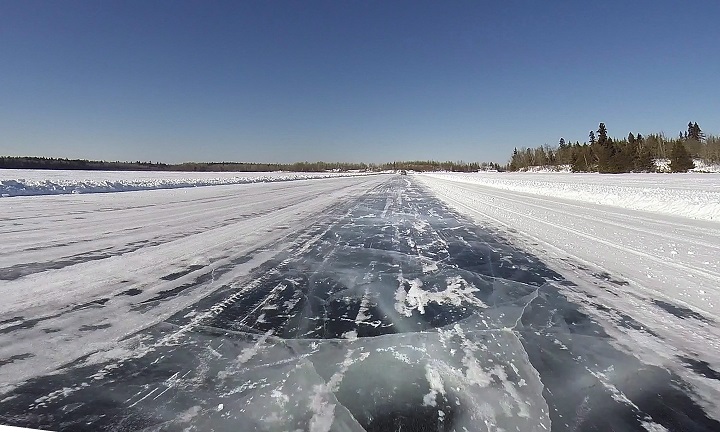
x=372 y=303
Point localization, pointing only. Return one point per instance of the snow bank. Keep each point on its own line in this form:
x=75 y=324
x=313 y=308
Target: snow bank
x=690 y=195
x=548 y=169
x=54 y=182
x=663 y=165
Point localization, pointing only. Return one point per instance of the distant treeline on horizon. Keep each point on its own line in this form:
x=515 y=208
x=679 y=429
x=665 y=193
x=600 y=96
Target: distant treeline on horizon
x=636 y=153
x=28 y=162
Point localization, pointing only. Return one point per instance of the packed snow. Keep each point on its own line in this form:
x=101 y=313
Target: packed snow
x=689 y=195
x=657 y=269
x=55 y=182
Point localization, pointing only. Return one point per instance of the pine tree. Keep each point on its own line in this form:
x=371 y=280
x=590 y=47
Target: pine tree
x=602 y=136
x=606 y=152
x=680 y=160
x=579 y=158
x=694 y=132
x=642 y=160
x=514 y=161
x=592 y=138
x=576 y=163
x=540 y=157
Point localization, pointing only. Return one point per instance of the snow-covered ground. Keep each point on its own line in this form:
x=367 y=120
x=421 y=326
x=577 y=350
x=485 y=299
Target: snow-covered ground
x=661 y=165
x=54 y=182
x=61 y=257
x=625 y=262
x=689 y=195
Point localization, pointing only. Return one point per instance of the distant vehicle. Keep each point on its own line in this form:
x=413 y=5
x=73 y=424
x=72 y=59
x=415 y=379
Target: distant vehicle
x=403 y=172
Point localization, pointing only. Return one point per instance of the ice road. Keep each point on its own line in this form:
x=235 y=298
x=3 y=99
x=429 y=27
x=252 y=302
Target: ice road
x=345 y=304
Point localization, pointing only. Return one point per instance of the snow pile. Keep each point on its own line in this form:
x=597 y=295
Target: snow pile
x=457 y=291
x=704 y=167
x=663 y=165
x=690 y=195
x=51 y=182
x=566 y=168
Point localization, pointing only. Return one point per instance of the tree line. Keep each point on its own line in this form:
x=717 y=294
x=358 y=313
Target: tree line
x=431 y=165
x=635 y=153
x=601 y=153
x=10 y=162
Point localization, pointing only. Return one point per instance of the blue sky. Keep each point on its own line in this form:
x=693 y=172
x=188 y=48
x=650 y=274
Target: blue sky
x=281 y=81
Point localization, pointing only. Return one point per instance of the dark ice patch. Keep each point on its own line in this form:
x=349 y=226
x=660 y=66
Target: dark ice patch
x=11 y=320
x=15 y=358
x=177 y=275
x=607 y=277
x=22 y=323
x=92 y=304
x=701 y=367
x=94 y=327
x=680 y=311
x=131 y=292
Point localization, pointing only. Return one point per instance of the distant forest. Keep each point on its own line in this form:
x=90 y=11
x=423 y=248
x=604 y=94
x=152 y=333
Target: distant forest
x=636 y=153
x=601 y=153
x=81 y=164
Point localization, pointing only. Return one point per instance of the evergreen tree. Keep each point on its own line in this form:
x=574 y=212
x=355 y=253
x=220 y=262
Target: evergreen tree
x=579 y=159
x=637 y=153
x=563 y=153
x=694 y=132
x=514 y=161
x=606 y=152
x=602 y=136
x=576 y=161
x=642 y=159
x=680 y=160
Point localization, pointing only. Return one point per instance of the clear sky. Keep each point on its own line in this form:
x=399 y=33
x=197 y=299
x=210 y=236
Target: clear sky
x=281 y=81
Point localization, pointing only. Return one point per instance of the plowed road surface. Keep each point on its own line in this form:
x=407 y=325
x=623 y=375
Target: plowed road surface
x=368 y=303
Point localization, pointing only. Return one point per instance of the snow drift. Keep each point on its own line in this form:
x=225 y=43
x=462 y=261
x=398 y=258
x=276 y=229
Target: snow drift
x=51 y=182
